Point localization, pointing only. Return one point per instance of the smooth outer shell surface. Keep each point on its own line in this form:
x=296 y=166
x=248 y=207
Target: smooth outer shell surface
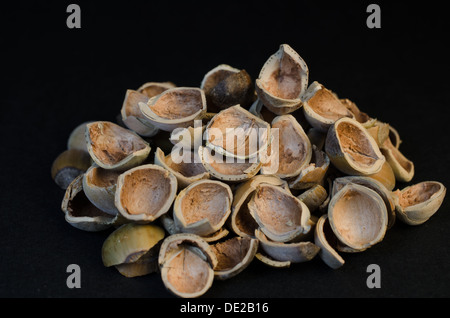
x=325 y=238
x=132 y=116
x=297 y=252
x=351 y=149
x=403 y=167
x=77 y=139
x=203 y=207
x=417 y=203
x=386 y=176
x=68 y=165
x=370 y=183
x=99 y=185
x=115 y=147
x=282 y=81
x=175 y=108
x=233 y=256
x=232 y=171
x=357 y=113
x=313 y=173
x=129 y=242
x=280 y=215
x=80 y=212
x=145 y=192
x=294 y=148
x=240 y=221
x=216 y=75
x=313 y=197
x=379 y=132
x=322 y=108
x=186 y=262
x=186 y=172
x=234 y=121
x=358 y=216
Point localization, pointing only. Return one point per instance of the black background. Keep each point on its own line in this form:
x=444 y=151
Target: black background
x=55 y=78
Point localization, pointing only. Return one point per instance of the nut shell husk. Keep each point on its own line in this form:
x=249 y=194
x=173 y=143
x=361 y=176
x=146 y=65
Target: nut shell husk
x=115 y=147
x=186 y=263
x=281 y=216
x=189 y=170
x=233 y=256
x=175 y=108
x=313 y=173
x=99 y=186
x=80 y=212
x=292 y=151
x=226 y=168
x=402 y=167
x=322 y=108
x=203 y=207
x=386 y=176
x=296 y=252
x=313 y=197
x=417 y=203
x=240 y=220
x=351 y=149
x=132 y=117
x=68 y=165
x=325 y=239
x=358 y=216
x=144 y=193
x=129 y=242
x=282 y=81
x=233 y=122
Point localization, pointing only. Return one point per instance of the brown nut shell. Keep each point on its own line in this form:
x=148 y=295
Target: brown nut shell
x=282 y=81
x=351 y=149
x=80 y=212
x=281 y=216
x=291 y=152
x=68 y=165
x=235 y=122
x=233 y=256
x=203 y=207
x=415 y=204
x=402 y=167
x=144 y=193
x=115 y=147
x=175 y=108
x=322 y=108
x=327 y=241
x=358 y=216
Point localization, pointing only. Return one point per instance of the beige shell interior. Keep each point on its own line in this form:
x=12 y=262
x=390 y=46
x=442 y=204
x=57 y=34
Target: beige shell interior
x=131 y=103
x=418 y=193
x=206 y=200
x=282 y=78
x=187 y=272
x=102 y=178
x=294 y=148
x=398 y=156
x=279 y=212
x=80 y=206
x=145 y=191
x=356 y=216
x=231 y=252
x=242 y=125
x=190 y=166
x=227 y=166
x=111 y=143
x=356 y=144
x=177 y=104
x=327 y=105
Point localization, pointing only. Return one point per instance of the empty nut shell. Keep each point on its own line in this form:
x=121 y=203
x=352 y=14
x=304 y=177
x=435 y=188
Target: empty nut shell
x=327 y=241
x=203 y=207
x=233 y=256
x=351 y=149
x=145 y=192
x=68 y=165
x=415 y=204
x=282 y=81
x=402 y=167
x=252 y=133
x=80 y=212
x=358 y=216
x=115 y=147
x=186 y=263
x=175 y=108
x=281 y=216
x=322 y=108
x=294 y=148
